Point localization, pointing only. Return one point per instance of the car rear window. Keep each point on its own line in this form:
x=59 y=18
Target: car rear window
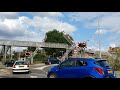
x=20 y=63
x=102 y=63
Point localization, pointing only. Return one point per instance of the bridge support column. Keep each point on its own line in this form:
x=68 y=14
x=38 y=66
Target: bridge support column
x=11 y=53
x=32 y=60
x=5 y=52
x=19 y=55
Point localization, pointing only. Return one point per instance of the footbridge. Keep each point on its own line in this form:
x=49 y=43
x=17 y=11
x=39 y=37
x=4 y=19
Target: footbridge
x=31 y=44
x=8 y=44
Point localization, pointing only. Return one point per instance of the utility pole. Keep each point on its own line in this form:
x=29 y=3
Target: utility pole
x=99 y=41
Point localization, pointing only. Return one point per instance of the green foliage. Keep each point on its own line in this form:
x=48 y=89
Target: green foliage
x=39 y=57
x=31 y=49
x=114 y=62
x=116 y=66
x=55 y=36
x=15 y=56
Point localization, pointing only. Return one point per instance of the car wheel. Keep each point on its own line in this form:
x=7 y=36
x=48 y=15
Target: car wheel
x=52 y=75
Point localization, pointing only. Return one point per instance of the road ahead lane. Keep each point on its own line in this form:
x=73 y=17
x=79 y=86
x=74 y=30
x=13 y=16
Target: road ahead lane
x=35 y=72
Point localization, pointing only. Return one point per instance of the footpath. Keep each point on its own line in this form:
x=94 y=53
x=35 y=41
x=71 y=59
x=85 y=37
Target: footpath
x=117 y=74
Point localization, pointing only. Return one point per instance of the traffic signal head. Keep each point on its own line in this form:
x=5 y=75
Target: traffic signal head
x=27 y=54
x=82 y=44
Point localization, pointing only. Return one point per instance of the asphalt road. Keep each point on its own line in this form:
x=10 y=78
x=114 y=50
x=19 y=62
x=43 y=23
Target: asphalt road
x=39 y=71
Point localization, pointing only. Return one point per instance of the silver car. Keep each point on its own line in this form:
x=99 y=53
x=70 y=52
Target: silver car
x=20 y=66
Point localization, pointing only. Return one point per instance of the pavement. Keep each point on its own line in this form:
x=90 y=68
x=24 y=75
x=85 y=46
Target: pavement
x=3 y=70
x=117 y=74
x=2 y=66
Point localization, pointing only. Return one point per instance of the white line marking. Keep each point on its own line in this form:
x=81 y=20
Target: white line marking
x=41 y=68
x=44 y=66
x=38 y=74
x=33 y=76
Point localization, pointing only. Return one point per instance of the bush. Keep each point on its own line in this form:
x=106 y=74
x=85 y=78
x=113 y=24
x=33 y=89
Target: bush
x=116 y=66
x=115 y=63
x=39 y=58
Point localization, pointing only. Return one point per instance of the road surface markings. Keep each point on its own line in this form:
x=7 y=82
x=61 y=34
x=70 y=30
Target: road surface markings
x=33 y=76
x=36 y=75
x=41 y=68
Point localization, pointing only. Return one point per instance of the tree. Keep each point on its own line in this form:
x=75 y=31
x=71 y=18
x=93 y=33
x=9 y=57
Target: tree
x=114 y=59
x=40 y=57
x=31 y=49
x=55 y=36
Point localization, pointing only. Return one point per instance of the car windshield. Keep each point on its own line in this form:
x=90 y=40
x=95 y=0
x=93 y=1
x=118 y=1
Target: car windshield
x=102 y=63
x=20 y=63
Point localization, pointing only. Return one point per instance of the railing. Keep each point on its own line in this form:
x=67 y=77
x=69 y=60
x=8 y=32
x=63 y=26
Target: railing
x=65 y=55
x=32 y=44
x=54 y=45
x=70 y=41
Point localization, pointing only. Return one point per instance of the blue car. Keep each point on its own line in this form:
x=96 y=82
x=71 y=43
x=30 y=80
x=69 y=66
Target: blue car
x=82 y=68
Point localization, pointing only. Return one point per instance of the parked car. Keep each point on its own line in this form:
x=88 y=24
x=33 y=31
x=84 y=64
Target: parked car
x=52 y=61
x=9 y=63
x=82 y=68
x=20 y=66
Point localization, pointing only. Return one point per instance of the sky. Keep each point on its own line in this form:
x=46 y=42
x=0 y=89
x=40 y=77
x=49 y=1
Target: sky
x=82 y=26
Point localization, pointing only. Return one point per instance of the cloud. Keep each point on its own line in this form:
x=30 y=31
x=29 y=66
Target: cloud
x=47 y=14
x=107 y=20
x=103 y=49
x=109 y=23
x=114 y=39
x=11 y=28
x=47 y=24
x=8 y=14
x=102 y=31
x=19 y=26
x=31 y=29
x=112 y=45
x=87 y=16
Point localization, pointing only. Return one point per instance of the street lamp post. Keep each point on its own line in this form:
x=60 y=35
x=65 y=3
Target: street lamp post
x=99 y=41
